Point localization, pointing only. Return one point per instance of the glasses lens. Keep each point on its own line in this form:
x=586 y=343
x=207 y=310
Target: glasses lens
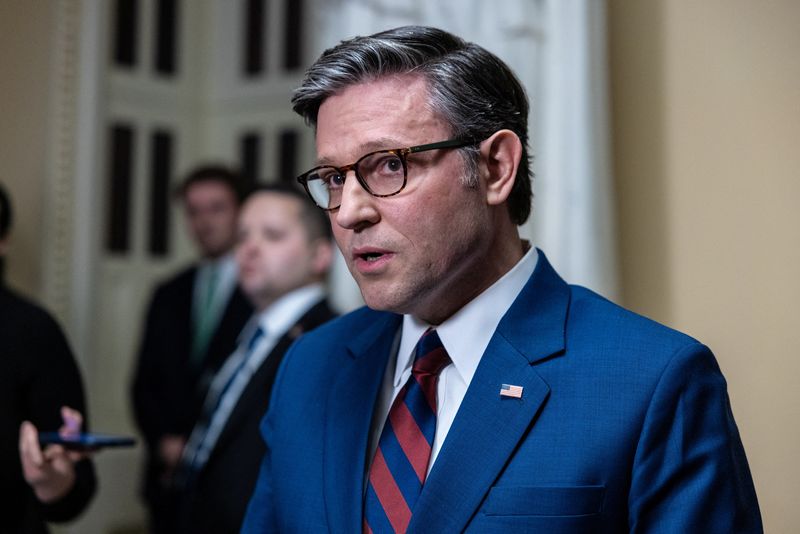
x=384 y=172
x=325 y=185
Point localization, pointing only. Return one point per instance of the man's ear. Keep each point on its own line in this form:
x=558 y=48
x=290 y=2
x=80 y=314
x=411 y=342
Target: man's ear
x=501 y=154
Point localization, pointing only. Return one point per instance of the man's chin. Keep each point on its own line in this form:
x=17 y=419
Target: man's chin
x=214 y=252
x=384 y=300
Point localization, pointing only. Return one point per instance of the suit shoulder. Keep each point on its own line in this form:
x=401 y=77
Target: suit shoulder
x=342 y=328
x=179 y=283
x=612 y=326
x=21 y=312
x=615 y=349
x=182 y=277
x=318 y=315
x=29 y=333
x=331 y=337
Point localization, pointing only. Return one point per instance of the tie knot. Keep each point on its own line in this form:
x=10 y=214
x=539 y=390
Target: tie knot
x=431 y=357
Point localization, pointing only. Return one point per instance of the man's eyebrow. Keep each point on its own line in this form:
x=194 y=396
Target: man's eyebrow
x=383 y=143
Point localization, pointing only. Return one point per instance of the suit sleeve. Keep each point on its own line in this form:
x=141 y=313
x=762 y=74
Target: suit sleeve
x=56 y=382
x=148 y=402
x=690 y=473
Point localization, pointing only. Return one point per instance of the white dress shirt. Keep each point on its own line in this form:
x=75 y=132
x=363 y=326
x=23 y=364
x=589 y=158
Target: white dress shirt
x=465 y=337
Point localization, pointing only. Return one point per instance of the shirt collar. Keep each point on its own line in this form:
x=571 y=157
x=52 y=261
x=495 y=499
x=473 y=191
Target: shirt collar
x=225 y=268
x=282 y=314
x=228 y=267
x=466 y=334
x=224 y=262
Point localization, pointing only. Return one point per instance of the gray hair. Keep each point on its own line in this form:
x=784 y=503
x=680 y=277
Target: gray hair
x=470 y=88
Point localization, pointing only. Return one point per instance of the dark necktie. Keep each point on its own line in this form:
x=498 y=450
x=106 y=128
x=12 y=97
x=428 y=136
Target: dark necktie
x=401 y=461
x=206 y=315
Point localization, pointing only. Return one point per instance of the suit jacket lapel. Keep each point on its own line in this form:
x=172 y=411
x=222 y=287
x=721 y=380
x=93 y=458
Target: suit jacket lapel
x=351 y=403
x=260 y=385
x=253 y=394
x=488 y=427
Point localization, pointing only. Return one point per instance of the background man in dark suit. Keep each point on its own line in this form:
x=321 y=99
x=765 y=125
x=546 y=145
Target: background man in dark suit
x=528 y=404
x=190 y=329
x=39 y=378
x=284 y=251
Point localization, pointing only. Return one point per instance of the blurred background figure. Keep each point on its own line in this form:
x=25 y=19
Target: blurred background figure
x=191 y=327
x=284 y=252
x=38 y=378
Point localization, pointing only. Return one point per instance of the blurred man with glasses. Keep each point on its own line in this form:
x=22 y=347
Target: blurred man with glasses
x=478 y=391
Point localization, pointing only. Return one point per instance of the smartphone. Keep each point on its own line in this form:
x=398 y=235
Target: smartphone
x=85 y=441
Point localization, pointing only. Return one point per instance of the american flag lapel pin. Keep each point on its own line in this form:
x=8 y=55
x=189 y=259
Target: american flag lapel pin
x=508 y=390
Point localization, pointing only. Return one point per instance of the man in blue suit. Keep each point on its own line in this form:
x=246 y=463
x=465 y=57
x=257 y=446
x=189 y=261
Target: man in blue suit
x=529 y=405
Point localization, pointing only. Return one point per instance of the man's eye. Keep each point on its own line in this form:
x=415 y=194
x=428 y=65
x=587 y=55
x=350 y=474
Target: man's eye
x=332 y=179
x=389 y=165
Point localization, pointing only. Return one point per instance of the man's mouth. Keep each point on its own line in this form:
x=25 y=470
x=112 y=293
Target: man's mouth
x=368 y=259
x=370 y=256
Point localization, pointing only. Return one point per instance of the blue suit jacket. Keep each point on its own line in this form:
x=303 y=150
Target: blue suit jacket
x=623 y=425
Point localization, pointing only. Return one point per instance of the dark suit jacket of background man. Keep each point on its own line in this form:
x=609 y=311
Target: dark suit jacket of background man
x=624 y=425
x=167 y=392
x=38 y=375
x=217 y=501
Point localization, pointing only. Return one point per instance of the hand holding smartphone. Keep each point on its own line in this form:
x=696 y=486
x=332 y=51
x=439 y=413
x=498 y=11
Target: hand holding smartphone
x=85 y=441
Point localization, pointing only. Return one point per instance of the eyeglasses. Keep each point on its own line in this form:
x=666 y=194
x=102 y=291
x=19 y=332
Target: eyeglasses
x=382 y=173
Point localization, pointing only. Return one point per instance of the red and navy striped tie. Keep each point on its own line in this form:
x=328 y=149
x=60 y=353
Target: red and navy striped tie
x=401 y=462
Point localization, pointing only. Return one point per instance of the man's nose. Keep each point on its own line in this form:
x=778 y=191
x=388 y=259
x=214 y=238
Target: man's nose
x=245 y=248
x=358 y=207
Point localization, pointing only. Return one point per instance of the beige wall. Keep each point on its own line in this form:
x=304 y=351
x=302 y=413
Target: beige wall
x=706 y=110
x=25 y=41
